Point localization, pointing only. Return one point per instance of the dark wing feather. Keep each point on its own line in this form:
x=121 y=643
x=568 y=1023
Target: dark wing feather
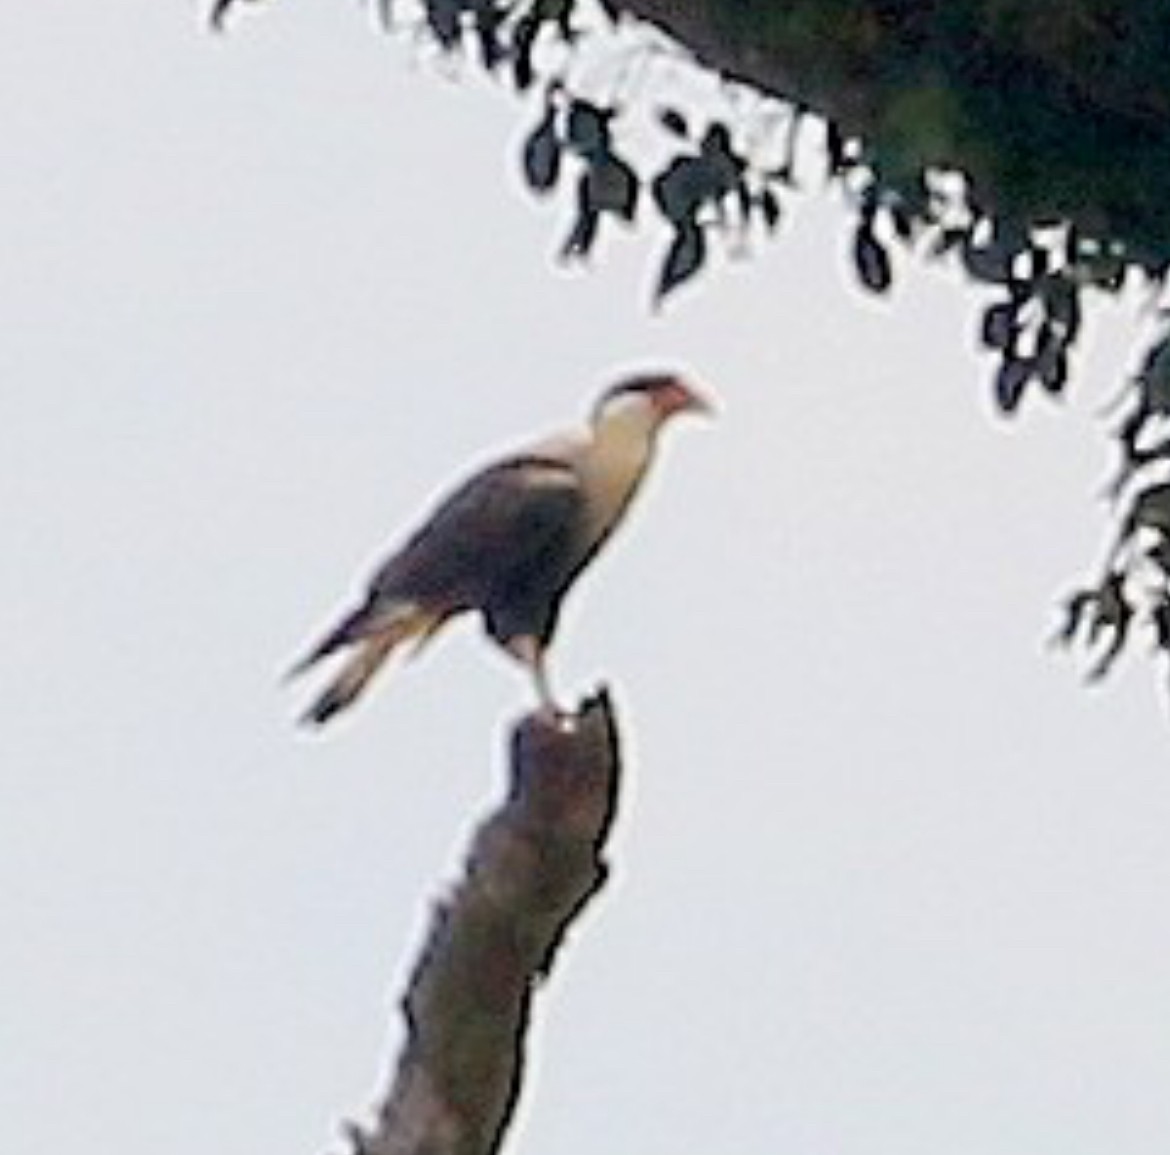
x=508 y=530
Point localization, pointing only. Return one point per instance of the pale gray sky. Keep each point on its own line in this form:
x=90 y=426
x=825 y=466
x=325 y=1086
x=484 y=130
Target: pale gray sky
x=888 y=880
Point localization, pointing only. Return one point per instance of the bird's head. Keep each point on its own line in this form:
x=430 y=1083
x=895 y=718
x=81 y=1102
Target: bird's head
x=646 y=402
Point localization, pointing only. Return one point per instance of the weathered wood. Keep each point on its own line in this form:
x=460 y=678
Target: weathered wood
x=531 y=868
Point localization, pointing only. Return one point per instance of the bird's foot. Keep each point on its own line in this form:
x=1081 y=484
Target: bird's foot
x=553 y=714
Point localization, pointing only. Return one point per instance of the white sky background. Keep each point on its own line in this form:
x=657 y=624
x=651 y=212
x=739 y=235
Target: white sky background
x=888 y=880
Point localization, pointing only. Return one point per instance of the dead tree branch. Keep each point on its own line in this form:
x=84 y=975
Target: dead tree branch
x=531 y=868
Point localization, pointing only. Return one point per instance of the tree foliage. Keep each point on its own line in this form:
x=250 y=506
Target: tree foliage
x=1023 y=141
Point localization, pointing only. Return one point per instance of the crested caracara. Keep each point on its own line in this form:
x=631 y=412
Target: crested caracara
x=508 y=543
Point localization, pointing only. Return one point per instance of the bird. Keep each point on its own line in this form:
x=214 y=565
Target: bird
x=508 y=544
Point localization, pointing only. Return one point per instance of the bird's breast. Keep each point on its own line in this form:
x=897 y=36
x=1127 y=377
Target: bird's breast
x=611 y=475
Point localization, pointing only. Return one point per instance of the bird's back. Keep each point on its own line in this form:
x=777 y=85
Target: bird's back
x=501 y=537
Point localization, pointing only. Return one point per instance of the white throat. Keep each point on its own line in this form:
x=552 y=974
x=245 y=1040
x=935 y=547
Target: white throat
x=620 y=451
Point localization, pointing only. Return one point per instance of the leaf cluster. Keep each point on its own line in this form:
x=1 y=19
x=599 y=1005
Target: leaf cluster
x=1135 y=589
x=705 y=185
x=577 y=130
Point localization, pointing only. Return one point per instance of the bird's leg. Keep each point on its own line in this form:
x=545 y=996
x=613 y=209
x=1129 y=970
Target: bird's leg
x=533 y=655
x=543 y=686
x=562 y=718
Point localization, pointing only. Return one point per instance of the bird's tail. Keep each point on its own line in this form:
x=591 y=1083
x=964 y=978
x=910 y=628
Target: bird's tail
x=373 y=636
x=350 y=629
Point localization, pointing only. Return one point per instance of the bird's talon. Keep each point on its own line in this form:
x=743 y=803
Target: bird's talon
x=557 y=716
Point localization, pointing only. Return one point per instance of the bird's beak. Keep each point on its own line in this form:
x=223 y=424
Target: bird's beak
x=701 y=405
x=684 y=398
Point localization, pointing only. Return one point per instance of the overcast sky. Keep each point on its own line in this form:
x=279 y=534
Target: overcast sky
x=888 y=879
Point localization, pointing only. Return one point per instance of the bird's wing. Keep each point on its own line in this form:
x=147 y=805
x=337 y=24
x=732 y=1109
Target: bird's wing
x=519 y=517
x=513 y=515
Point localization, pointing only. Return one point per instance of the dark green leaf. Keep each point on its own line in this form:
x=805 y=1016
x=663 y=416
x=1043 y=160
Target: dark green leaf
x=1051 y=360
x=1076 y=610
x=1062 y=299
x=1160 y=616
x=903 y=221
x=1101 y=612
x=1105 y=269
x=443 y=18
x=785 y=174
x=1038 y=262
x=584 y=232
x=218 y=13
x=872 y=260
x=999 y=325
x=717 y=141
x=946 y=240
x=684 y=258
x=681 y=188
x=1159 y=554
x=674 y=122
x=989 y=263
x=1154 y=380
x=542 y=154
x=769 y=206
x=611 y=186
x=836 y=146
x=1112 y=614
x=488 y=19
x=724 y=165
x=1014 y=374
x=991 y=258
x=745 y=201
x=523 y=44
x=564 y=23
x=588 y=128
x=552 y=9
x=1151 y=510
